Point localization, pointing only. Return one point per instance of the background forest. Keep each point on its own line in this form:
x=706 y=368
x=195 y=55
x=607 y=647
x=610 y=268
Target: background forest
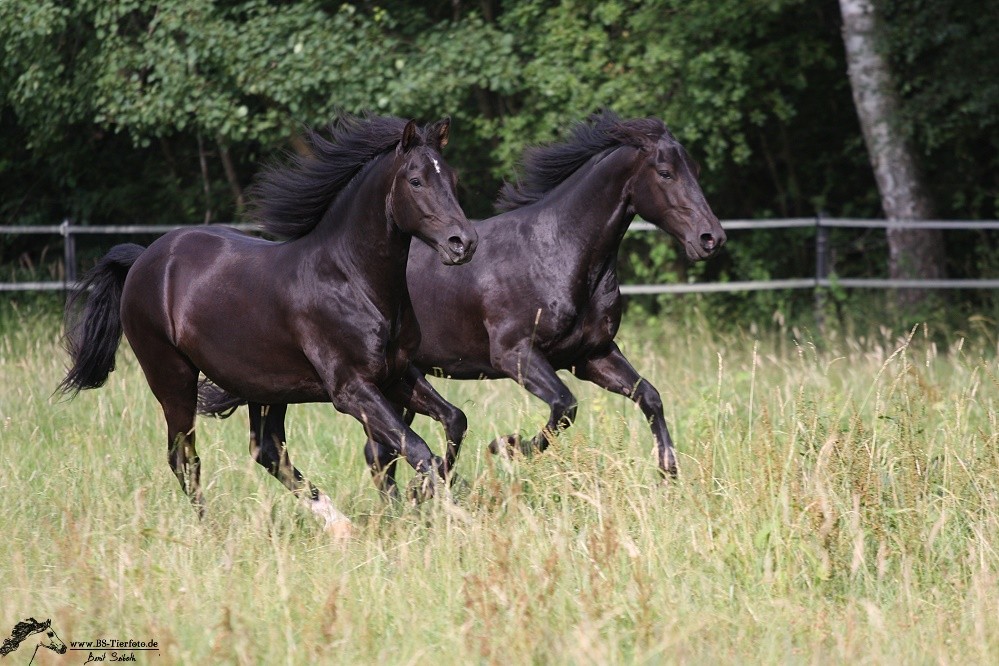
x=130 y=111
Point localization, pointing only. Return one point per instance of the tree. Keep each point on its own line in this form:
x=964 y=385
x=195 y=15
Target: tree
x=913 y=253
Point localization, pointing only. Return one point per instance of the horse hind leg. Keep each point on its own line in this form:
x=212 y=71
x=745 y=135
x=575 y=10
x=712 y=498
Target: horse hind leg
x=186 y=465
x=268 y=446
x=174 y=382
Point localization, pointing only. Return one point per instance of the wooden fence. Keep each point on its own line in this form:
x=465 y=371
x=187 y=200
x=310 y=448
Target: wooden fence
x=821 y=278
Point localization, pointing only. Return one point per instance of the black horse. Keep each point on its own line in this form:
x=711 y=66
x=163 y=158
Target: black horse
x=543 y=293
x=317 y=318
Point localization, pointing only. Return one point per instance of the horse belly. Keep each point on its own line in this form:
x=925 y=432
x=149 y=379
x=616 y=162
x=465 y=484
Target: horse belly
x=267 y=378
x=446 y=352
x=258 y=357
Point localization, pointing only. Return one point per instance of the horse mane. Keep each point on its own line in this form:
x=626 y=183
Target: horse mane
x=545 y=167
x=288 y=201
x=22 y=630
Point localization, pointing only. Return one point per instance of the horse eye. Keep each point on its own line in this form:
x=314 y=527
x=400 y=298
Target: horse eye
x=415 y=182
x=666 y=175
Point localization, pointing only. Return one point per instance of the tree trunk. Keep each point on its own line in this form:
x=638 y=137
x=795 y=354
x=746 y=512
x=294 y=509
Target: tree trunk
x=205 y=181
x=230 y=175
x=912 y=253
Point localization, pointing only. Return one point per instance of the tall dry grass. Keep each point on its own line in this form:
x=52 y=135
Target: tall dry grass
x=836 y=504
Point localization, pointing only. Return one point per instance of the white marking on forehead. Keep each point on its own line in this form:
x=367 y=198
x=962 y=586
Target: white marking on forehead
x=437 y=166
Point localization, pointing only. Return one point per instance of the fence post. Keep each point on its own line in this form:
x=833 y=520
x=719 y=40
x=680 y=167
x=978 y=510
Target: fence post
x=68 y=253
x=821 y=270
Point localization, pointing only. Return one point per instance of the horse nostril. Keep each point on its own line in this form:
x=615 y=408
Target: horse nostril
x=708 y=241
x=457 y=245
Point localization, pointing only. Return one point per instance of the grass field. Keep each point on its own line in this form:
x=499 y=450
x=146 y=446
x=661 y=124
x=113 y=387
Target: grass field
x=838 y=502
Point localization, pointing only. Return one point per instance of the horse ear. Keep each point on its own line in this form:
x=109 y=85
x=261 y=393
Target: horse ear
x=408 y=137
x=442 y=131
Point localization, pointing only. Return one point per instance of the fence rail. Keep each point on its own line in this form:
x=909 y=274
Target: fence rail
x=820 y=224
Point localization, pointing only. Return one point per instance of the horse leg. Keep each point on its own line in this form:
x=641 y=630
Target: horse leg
x=612 y=371
x=533 y=371
x=269 y=448
x=419 y=396
x=174 y=381
x=384 y=425
x=382 y=461
x=183 y=456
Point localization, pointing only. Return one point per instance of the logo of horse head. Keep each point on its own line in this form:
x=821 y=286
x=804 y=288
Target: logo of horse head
x=28 y=627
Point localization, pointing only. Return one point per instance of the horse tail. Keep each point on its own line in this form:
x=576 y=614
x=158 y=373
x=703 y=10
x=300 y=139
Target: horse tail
x=93 y=340
x=215 y=401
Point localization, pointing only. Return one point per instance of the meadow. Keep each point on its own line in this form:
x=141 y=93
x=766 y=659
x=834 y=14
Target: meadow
x=838 y=502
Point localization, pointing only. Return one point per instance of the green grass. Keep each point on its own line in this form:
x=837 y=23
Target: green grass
x=836 y=504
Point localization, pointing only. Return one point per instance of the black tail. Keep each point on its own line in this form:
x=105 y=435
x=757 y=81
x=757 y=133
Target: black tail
x=93 y=340
x=214 y=401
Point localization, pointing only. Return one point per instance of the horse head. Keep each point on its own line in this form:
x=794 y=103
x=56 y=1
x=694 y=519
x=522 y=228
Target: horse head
x=422 y=199
x=28 y=627
x=665 y=192
x=52 y=641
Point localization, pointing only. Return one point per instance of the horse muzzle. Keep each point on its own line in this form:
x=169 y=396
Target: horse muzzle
x=706 y=244
x=458 y=248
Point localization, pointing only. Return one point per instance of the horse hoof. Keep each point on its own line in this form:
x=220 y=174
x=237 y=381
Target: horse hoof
x=668 y=476
x=390 y=494
x=505 y=445
x=422 y=488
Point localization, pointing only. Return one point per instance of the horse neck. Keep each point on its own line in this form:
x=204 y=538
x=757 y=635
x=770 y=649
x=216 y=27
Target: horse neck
x=593 y=210
x=357 y=238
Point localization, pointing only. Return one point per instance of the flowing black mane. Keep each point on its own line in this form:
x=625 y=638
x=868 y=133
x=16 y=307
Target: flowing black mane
x=22 y=630
x=289 y=201
x=544 y=167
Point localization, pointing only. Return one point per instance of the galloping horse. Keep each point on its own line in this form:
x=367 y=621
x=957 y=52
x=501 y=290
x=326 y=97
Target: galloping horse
x=543 y=293
x=316 y=318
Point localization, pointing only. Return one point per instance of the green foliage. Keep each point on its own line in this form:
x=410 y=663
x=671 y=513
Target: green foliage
x=124 y=110
x=945 y=58
x=248 y=74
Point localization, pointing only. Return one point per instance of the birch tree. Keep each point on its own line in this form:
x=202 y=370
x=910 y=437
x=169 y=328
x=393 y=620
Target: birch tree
x=912 y=253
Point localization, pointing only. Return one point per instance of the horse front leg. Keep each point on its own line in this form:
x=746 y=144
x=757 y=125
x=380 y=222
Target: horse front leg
x=417 y=395
x=531 y=369
x=382 y=461
x=387 y=432
x=613 y=372
x=268 y=446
